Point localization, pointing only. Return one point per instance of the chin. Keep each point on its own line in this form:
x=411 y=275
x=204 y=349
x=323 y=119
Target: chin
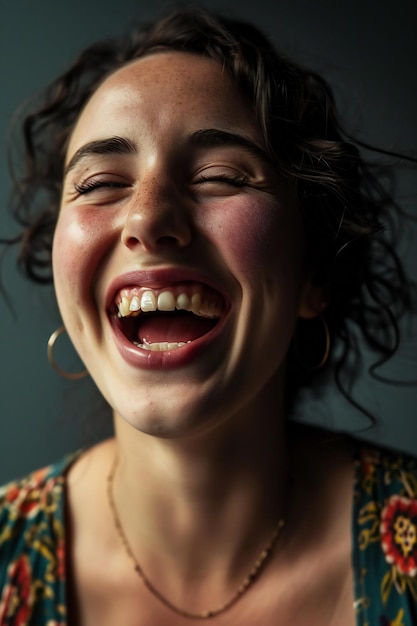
x=168 y=420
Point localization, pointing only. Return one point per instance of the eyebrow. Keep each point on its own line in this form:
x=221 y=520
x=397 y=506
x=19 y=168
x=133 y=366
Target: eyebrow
x=204 y=138
x=111 y=145
x=213 y=137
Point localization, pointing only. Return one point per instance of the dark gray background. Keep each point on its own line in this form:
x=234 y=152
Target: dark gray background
x=367 y=49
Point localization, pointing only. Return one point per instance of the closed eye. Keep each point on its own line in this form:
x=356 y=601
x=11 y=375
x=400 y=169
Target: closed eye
x=235 y=181
x=91 y=185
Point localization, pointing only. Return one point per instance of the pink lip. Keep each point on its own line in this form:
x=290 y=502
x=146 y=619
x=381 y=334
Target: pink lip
x=166 y=359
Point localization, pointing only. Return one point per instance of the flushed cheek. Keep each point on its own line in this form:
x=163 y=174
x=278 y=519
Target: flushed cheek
x=260 y=238
x=80 y=243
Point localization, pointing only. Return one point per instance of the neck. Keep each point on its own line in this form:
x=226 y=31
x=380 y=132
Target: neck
x=205 y=490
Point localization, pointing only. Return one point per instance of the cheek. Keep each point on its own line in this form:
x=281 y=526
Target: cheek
x=79 y=243
x=260 y=237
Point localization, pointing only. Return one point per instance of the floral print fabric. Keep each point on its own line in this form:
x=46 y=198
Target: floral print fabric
x=385 y=538
x=384 y=527
x=32 y=549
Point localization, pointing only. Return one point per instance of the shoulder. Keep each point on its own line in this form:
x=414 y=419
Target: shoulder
x=385 y=476
x=31 y=533
x=378 y=458
x=15 y=495
x=26 y=500
x=385 y=531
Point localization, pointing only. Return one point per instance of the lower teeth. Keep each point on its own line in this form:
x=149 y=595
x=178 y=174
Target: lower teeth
x=160 y=346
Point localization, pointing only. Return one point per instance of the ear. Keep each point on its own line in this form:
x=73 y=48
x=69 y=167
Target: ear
x=313 y=301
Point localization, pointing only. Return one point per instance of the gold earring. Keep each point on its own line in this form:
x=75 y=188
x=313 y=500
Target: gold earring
x=51 y=342
x=326 y=352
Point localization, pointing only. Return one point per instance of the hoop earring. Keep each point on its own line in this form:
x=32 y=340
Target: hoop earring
x=51 y=343
x=326 y=352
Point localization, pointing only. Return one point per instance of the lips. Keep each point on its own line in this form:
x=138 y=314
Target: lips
x=164 y=316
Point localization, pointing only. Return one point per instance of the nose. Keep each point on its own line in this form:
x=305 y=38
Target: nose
x=157 y=217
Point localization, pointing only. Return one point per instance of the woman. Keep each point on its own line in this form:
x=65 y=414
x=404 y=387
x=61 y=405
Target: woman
x=210 y=229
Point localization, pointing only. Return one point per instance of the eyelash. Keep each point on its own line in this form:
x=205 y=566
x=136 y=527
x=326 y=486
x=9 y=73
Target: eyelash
x=235 y=181
x=91 y=185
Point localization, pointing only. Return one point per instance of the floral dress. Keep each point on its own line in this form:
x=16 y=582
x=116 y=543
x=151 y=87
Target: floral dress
x=384 y=537
x=32 y=549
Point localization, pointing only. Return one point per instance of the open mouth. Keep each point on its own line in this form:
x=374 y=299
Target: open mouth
x=168 y=318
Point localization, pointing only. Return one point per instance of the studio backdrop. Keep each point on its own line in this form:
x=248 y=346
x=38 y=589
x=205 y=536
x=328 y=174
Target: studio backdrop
x=366 y=49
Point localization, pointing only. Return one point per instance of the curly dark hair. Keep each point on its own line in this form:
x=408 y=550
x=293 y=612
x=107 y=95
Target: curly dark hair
x=343 y=203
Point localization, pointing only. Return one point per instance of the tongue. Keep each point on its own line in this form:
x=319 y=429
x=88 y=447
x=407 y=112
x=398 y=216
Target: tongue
x=178 y=327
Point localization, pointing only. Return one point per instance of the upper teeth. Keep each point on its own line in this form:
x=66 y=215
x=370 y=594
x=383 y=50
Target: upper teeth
x=134 y=304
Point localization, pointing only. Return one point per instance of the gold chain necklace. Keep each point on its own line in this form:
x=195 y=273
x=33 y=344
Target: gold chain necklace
x=243 y=587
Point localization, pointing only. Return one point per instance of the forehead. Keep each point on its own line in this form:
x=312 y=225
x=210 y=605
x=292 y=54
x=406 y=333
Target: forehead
x=183 y=70
x=166 y=90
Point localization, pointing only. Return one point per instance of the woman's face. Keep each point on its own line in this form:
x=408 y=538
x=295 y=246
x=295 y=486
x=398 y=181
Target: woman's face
x=178 y=253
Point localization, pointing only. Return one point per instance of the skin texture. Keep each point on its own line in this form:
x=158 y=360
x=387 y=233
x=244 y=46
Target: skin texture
x=247 y=239
x=200 y=438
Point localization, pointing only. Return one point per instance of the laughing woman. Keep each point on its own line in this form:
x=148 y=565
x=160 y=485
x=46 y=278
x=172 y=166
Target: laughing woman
x=212 y=233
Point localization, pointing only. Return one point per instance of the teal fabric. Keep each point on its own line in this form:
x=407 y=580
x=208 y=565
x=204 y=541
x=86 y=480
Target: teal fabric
x=33 y=549
x=384 y=532
x=384 y=529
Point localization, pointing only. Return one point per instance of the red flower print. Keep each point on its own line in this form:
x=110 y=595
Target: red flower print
x=38 y=476
x=23 y=499
x=61 y=559
x=16 y=600
x=29 y=507
x=399 y=534
x=12 y=493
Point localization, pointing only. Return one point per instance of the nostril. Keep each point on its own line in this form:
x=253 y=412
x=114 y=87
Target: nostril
x=132 y=242
x=164 y=241
x=168 y=240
